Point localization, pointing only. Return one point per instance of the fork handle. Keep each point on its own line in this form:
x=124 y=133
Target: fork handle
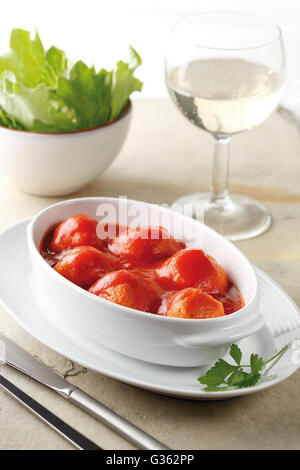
x=114 y=421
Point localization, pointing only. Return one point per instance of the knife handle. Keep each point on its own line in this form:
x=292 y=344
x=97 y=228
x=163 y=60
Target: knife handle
x=114 y=421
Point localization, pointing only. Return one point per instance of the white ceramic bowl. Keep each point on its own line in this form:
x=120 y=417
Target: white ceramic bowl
x=145 y=336
x=57 y=164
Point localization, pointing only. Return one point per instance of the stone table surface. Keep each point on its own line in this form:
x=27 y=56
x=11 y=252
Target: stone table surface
x=163 y=158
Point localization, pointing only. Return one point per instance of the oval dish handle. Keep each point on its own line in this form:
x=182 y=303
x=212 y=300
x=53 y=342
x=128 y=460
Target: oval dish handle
x=227 y=336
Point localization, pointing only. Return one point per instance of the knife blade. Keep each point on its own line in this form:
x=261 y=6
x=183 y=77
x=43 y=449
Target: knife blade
x=15 y=356
x=73 y=436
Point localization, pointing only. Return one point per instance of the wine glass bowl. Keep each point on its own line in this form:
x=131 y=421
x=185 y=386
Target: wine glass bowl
x=224 y=72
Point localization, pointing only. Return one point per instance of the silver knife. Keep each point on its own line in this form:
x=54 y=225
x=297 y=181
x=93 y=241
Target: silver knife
x=73 y=436
x=16 y=357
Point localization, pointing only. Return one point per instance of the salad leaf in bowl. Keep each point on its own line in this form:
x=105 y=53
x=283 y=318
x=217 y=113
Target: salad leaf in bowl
x=41 y=92
x=61 y=124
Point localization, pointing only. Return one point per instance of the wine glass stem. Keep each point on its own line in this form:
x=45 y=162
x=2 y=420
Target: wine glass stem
x=220 y=178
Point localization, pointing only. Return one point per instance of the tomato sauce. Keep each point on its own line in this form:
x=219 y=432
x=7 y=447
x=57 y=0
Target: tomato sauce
x=142 y=268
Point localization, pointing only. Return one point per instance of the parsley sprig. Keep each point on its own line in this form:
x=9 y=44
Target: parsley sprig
x=223 y=375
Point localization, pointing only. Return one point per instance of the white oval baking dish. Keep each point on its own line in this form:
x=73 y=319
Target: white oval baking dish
x=145 y=336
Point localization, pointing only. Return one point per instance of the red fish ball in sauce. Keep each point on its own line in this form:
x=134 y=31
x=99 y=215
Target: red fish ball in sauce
x=145 y=244
x=143 y=268
x=77 y=230
x=191 y=303
x=192 y=268
x=126 y=288
x=84 y=265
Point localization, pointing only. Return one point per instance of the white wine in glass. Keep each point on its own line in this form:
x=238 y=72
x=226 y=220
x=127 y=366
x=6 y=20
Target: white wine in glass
x=225 y=91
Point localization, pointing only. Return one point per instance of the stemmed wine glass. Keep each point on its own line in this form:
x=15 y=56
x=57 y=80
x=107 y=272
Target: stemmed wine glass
x=224 y=72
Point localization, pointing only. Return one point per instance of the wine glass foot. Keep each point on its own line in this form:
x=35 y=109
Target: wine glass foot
x=235 y=217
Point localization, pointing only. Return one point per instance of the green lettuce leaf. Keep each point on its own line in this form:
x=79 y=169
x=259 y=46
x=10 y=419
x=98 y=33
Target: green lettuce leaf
x=124 y=83
x=9 y=121
x=87 y=94
x=55 y=62
x=34 y=108
x=39 y=92
x=30 y=63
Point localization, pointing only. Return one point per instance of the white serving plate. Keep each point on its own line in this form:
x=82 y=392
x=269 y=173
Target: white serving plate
x=19 y=296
